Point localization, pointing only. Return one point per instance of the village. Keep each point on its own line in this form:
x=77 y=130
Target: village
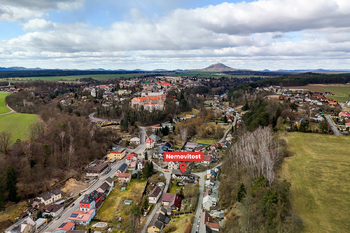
x=134 y=172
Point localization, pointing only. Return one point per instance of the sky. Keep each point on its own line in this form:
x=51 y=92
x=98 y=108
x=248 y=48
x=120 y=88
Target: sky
x=175 y=34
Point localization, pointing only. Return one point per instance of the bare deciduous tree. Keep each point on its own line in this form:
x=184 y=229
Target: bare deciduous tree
x=183 y=133
x=258 y=152
x=5 y=140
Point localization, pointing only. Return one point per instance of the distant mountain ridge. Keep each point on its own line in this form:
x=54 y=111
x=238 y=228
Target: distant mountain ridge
x=218 y=67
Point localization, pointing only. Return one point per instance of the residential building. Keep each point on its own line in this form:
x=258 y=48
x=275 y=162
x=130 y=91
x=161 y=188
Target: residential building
x=50 y=196
x=169 y=125
x=155 y=226
x=121 y=169
x=64 y=227
x=141 y=164
x=104 y=188
x=191 y=145
x=173 y=165
x=208 y=202
x=207 y=159
x=124 y=178
x=116 y=153
x=205 y=218
x=53 y=210
x=25 y=225
x=90 y=201
x=96 y=170
x=40 y=223
x=82 y=217
x=93 y=92
x=149 y=143
x=110 y=181
x=131 y=157
x=172 y=200
x=154 y=195
x=135 y=141
x=162 y=218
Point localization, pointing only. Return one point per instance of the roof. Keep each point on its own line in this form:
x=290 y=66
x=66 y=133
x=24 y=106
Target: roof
x=123 y=175
x=129 y=156
x=97 y=169
x=213 y=225
x=149 y=140
x=179 y=172
x=135 y=139
x=53 y=208
x=122 y=167
x=162 y=218
x=155 y=192
x=109 y=180
x=174 y=199
x=104 y=186
x=49 y=194
x=89 y=198
x=81 y=215
x=191 y=145
x=76 y=231
x=206 y=158
x=117 y=149
x=66 y=226
x=205 y=217
x=40 y=221
x=156 y=223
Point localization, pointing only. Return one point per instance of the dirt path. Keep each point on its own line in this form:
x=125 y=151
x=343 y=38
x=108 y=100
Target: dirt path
x=12 y=111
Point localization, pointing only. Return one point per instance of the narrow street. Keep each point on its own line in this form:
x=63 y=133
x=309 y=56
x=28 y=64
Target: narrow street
x=333 y=126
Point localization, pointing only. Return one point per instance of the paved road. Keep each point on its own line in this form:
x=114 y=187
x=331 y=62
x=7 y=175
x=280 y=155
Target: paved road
x=200 y=198
x=67 y=212
x=91 y=116
x=333 y=126
x=228 y=130
x=167 y=176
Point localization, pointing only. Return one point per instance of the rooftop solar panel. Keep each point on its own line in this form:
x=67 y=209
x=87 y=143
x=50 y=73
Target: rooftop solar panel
x=74 y=215
x=62 y=225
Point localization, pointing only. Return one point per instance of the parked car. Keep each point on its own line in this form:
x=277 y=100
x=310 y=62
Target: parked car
x=72 y=205
x=145 y=214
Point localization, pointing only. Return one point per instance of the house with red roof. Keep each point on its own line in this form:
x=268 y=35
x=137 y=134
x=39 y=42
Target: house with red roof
x=207 y=159
x=64 y=227
x=124 y=178
x=131 y=157
x=149 y=143
x=172 y=200
x=82 y=217
x=344 y=114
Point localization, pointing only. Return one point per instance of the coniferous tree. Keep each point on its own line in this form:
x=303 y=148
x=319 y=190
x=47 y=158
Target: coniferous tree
x=11 y=182
x=241 y=193
x=2 y=194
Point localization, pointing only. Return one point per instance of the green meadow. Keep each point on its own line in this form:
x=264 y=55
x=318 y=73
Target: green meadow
x=319 y=172
x=3 y=108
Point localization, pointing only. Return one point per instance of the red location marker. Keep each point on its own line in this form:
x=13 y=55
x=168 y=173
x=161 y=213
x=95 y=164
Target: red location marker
x=183 y=167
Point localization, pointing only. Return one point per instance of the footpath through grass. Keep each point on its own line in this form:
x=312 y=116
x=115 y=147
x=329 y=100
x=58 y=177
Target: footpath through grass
x=3 y=108
x=320 y=176
x=17 y=124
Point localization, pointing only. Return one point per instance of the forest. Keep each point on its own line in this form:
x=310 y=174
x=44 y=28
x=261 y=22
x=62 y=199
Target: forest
x=301 y=79
x=257 y=200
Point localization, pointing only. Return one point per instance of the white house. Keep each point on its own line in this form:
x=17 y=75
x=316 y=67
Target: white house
x=173 y=165
x=208 y=202
x=135 y=141
x=93 y=92
x=154 y=195
x=50 y=196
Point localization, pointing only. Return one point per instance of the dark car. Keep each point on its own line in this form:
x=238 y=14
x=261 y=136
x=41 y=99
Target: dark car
x=72 y=205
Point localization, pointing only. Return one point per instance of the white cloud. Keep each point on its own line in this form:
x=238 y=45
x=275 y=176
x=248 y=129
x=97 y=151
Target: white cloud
x=38 y=25
x=231 y=32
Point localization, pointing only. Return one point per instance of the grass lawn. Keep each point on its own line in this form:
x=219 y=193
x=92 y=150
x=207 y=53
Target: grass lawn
x=17 y=124
x=205 y=141
x=181 y=222
x=3 y=108
x=13 y=213
x=194 y=112
x=99 y=77
x=341 y=92
x=114 y=204
x=320 y=175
